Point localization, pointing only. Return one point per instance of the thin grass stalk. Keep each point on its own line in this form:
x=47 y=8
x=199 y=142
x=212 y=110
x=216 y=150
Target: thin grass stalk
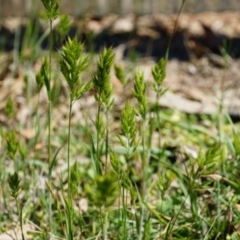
x=174 y=30
x=19 y=209
x=69 y=221
x=98 y=139
x=68 y=145
x=145 y=161
x=124 y=215
x=218 y=206
x=106 y=141
x=158 y=119
x=49 y=135
x=166 y=58
x=144 y=181
x=37 y=115
x=50 y=95
x=49 y=123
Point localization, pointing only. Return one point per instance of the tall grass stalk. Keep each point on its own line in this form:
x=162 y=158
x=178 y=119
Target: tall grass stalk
x=72 y=63
x=52 y=9
x=159 y=74
x=103 y=95
x=174 y=30
x=128 y=141
x=139 y=92
x=50 y=93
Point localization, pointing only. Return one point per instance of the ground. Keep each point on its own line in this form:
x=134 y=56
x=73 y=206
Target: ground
x=202 y=76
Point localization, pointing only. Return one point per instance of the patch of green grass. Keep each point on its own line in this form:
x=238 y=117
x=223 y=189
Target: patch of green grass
x=153 y=173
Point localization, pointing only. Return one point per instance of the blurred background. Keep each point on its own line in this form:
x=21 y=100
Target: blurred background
x=204 y=50
x=100 y=7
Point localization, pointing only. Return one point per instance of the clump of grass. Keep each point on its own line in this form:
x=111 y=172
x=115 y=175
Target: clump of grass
x=127 y=196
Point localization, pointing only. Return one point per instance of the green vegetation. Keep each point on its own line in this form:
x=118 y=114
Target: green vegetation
x=97 y=173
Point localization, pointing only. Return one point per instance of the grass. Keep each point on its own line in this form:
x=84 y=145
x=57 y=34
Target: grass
x=97 y=170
